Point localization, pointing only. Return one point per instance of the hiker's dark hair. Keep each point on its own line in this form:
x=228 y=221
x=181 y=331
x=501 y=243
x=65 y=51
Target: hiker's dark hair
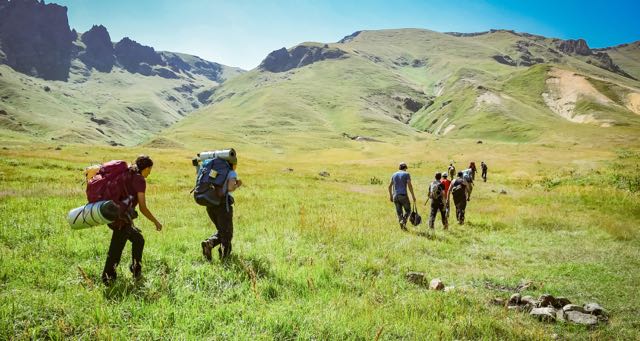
x=402 y=166
x=142 y=162
x=438 y=176
x=460 y=174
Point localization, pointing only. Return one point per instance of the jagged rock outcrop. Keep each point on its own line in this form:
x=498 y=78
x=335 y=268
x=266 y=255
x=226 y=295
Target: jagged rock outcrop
x=504 y=59
x=578 y=47
x=349 y=38
x=135 y=57
x=99 y=52
x=284 y=60
x=195 y=65
x=36 y=38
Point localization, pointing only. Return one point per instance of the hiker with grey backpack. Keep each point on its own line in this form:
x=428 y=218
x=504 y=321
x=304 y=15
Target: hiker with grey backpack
x=437 y=197
x=216 y=179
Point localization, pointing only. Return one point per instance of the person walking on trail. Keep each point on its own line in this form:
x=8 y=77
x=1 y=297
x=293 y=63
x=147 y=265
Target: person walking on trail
x=123 y=228
x=452 y=170
x=447 y=184
x=437 y=197
x=467 y=176
x=484 y=168
x=459 y=192
x=222 y=217
x=474 y=170
x=400 y=181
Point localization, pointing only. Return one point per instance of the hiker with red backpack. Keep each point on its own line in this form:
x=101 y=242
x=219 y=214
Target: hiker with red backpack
x=446 y=183
x=125 y=186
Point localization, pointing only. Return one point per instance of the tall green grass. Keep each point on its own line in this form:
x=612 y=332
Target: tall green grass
x=321 y=257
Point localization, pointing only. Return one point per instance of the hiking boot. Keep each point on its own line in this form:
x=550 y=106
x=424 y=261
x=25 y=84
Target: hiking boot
x=136 y=271
x=206 y=250
x=446 y=227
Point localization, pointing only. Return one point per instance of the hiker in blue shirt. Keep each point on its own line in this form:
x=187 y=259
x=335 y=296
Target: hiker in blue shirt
x=400 y=180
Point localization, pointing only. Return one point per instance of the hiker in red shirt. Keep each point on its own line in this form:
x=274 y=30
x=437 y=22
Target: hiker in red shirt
x=447 y=183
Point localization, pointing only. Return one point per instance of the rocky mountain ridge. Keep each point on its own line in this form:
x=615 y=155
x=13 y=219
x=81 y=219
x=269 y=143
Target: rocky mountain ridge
x=35 y=39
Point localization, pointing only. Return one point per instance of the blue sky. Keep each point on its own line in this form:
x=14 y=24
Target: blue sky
x=241 y=32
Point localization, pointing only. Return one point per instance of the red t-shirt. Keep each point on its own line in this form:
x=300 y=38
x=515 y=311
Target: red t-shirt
x=447 y=184
x=135 y=185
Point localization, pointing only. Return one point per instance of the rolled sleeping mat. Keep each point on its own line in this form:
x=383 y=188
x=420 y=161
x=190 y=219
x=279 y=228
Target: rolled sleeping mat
x=93 y=214
x=225 y=154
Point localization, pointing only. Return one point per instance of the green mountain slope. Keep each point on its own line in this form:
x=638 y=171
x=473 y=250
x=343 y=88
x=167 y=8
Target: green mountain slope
x=397 y=84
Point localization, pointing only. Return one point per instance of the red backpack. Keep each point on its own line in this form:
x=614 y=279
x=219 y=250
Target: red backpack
x=110 y=183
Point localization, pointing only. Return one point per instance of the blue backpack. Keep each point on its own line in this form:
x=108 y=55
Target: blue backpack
x=212 y=175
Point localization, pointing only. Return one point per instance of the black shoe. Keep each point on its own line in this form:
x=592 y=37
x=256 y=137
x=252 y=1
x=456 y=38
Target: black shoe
x=136 y=271
x=206 y=250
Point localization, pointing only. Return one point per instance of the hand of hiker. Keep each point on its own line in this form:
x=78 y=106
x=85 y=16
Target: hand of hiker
x=391 y=198
x=158 y=226
x=238 y=183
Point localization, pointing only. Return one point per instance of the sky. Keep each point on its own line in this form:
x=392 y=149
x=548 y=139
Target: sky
x=242 y=32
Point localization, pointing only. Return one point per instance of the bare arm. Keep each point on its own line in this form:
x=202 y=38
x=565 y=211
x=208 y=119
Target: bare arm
x=233 y=184
x=390 y=192
x=411 y=189
x=145 y=211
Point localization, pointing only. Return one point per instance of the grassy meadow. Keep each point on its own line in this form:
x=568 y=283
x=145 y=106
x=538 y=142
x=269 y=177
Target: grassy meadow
x=323 y=257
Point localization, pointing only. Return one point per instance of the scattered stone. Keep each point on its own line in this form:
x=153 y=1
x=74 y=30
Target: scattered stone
x=547 y=300
x=436 y=284
x=324 y=174
x=595 y=309
x=498 y=301
x=529 y=300
x=581 y=318
x=514 y=299
x=547 y=314
x=503 y=192
x=479 y=142
x=288 y=170
x=415 y=277
x=58 y=148
x=561 y=302
x=46 y=88
x=573 y=307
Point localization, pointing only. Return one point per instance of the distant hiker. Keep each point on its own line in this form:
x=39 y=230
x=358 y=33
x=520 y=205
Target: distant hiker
x=484 y=168
x=437 y=197
x=452 y=170
x=474 y=170
x=123 y=228
x=467 y=176
x=220 y=209
x=459 y=192
x=400 y=180
x=447 y=184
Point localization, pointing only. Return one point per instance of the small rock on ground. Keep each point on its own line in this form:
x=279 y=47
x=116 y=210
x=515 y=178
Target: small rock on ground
x=544 y=314
x=581 y=318
x=415 y=277
x=436 y=284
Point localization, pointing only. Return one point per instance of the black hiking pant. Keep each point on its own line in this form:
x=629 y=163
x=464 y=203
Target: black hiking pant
x=223 y=220
x=461 y=205
x=402 y=203
x=118 y=241
x=484 y=175
x=437 y=206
